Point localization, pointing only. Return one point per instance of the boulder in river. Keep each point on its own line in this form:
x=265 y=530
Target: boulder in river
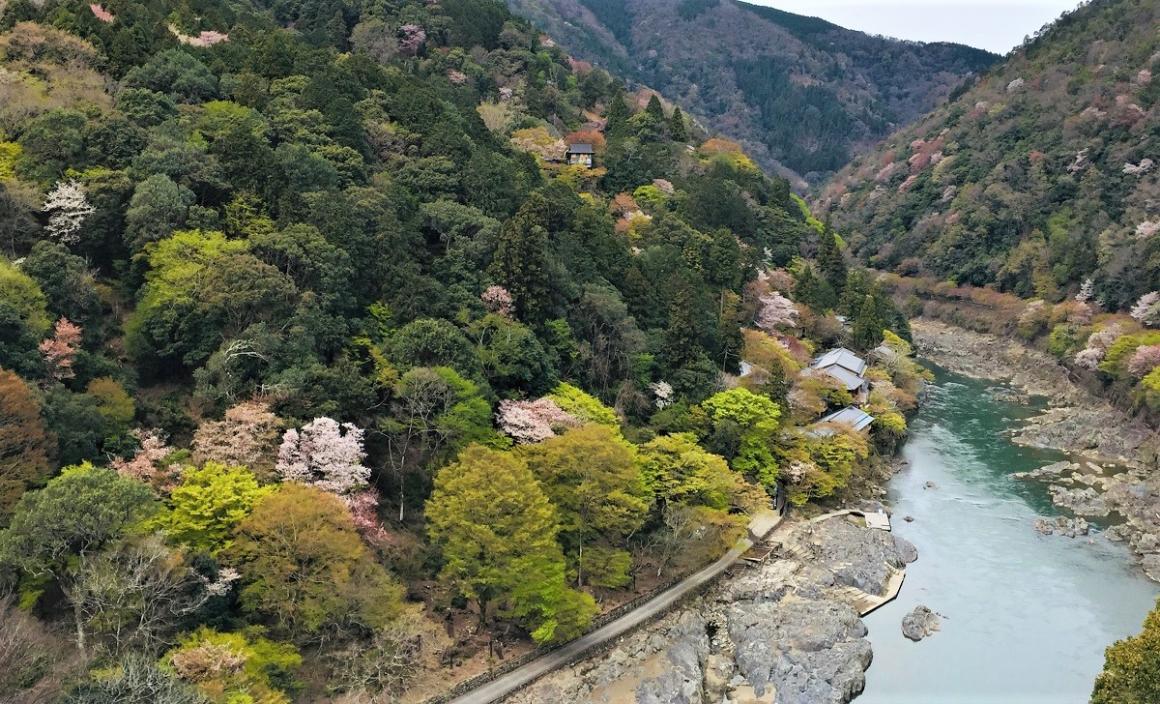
x=919 y=623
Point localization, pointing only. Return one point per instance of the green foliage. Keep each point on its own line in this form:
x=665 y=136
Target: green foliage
x=234 y=667
x=208 y=504
x=306 y=571
x=1132 y=667
x=513 y=359
x=24 y=318
x=1120 y=352
x=497 y=539
x=76 y=513
x=593 y=479
x=744 y=426
x=679 y=471
x=584 y=406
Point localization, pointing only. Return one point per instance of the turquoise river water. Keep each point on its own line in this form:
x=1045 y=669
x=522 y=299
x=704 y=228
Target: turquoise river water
x=1026 y=616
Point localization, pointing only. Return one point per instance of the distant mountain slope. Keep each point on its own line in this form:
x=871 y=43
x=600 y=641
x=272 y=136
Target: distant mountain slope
x=797 y=91
x=1042 y=175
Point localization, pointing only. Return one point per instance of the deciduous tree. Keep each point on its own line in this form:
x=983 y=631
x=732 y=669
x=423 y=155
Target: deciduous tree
x=24 y=443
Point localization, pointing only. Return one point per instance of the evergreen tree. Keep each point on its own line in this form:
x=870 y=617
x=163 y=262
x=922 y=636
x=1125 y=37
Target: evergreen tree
x=814 y=291
x=868 y=326
x=521 y=262
x=618 y=114
x=655 y=110
x=831 y=261
x=677 y=130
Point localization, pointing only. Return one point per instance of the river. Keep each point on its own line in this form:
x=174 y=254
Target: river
x=1026 y=616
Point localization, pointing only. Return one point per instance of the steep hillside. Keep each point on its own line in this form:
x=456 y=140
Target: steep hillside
x=1039 y=177
x=798 y=92
x=345 y=350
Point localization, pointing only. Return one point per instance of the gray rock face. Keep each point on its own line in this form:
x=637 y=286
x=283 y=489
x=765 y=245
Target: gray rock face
x=1062 y=525
x=783 y=632
x=919 y=623
x=1082 y=502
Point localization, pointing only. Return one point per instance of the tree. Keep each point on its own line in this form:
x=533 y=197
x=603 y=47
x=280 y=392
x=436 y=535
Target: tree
x=305 y=570
x=774 y=312
x=744 y=426
x=68 y=284
x=593 y=479
x=68 y=208
x=158 y=207
x=831 y=261
x=54 y=530
x=134 y=594
x=177 y=73
x=513 y=359
x=868 y=326
x=249 y=436
x=208 y=504
x=533 y=421
x=1132 y=667
x=324 y=454
x=60 y=350
x=677 y=130
x=24 y=443
x=435 y=413
x=234 y=667
x=24 y=319
x=431 y=342
x=655 y=110
x=521 y=263
x=497 y=539
x=135 y=680
x=1147 y=309
x=678 y=471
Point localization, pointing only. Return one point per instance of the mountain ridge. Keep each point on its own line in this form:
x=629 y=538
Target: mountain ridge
x=758 y=74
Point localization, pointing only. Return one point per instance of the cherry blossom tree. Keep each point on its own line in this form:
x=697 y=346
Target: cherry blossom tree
x=60 y=350
x=364 y=511
x=662 y=393
x=1097 y=346
x=324 y=454
x=151 y=463
x=533 y=421
x=775 y=311
x=1144 y=360
x=247 y=436
x=68 y=208
x=497 y=299
x=1147 y=310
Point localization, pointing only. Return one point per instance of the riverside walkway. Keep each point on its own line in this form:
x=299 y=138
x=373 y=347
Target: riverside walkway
x=760 y=527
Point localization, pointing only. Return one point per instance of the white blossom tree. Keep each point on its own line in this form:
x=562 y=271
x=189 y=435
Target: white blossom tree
x=68 y=208
x=775 y=311
x=1086 y=291
x=533 y=421
x=324 y=454
x=1147 y=309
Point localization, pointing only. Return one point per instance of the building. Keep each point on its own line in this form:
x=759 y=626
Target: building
x=846 y=367
x=854 y=418
x=580 y=154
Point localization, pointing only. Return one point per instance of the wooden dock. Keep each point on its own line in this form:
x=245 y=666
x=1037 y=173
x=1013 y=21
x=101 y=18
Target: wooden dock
x=879 y=521
x=865 y=603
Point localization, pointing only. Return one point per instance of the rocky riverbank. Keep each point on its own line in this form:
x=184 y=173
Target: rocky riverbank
x=785 y=631
x=1077 y=422
x=1113 y=478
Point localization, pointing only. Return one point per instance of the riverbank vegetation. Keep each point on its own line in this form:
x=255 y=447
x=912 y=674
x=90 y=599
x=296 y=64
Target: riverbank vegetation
x=1117 y=354
x=324 y=370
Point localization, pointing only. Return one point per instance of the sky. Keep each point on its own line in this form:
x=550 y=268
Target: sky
x=997 y=25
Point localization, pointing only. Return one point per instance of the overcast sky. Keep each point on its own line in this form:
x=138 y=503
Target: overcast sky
x=998 y=25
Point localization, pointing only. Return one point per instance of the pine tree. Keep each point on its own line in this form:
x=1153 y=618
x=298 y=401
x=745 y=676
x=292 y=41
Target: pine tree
x=677 y=130
x=814 y=291
x=655 y=110
x=618 y=114
x=521 y=260
x=831 y=262
x=868 y=326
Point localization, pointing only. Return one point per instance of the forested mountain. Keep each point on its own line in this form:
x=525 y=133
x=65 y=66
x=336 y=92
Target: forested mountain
x=1039 y=177
x=327 y=373
x=798 y=92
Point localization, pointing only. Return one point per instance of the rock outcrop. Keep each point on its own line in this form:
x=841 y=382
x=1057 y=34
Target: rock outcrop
x=783 y=632
x=920 y=623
